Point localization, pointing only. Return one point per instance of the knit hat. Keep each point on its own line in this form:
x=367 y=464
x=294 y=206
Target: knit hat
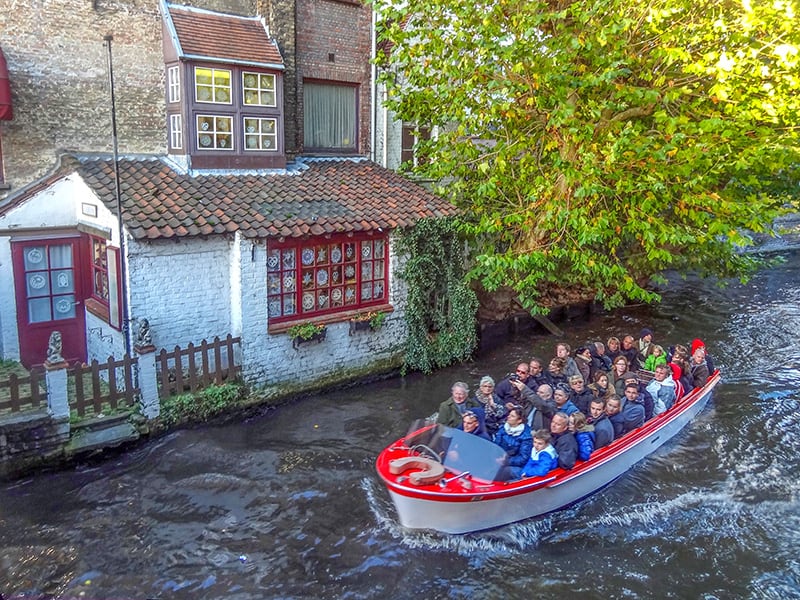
x=697 y=343
x=645 y=332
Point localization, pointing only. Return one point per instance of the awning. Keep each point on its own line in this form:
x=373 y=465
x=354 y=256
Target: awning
x=6 y=112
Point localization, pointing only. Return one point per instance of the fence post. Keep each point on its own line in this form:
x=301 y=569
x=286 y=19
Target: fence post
x=56 y=378
x=148 y=381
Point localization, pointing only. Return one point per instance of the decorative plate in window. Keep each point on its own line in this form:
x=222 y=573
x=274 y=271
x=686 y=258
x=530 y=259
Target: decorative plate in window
x=322 y=300
x=274 y=307
x=205 y=140
x=366 y=270
x=273 y=283
x=336 y=254
x=366 y=291
x=35 y=256
x=336 y=295
x=378 y=290
x=336 y=275
x=308 y=301
x=289 y=307
x=273 y=260
x=378 y=247
x=222 y=125
x=37 y=281
x=350 y=271
x=308 y=279
x=250 y=80
x=366 y=250
x=222 y=143
x=251 y=129
x=62 y=280
x=322 y=277
x=349 y=251
x=350 y=294
x=308 y=256
x=204 y=94
x=288 y=283
x=222 y=96
x=204 y=125
x=64 y=305
x=288 y=259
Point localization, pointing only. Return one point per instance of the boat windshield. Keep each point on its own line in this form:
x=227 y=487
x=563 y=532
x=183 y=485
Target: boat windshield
x=459 y=451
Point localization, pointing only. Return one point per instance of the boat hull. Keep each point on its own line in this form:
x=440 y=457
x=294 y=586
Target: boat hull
x=489 y=506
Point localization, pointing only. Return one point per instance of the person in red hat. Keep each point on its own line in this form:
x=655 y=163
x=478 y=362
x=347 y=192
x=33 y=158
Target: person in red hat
x=698 y=343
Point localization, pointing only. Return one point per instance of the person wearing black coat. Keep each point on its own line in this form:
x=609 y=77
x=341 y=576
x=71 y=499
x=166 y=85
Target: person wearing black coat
x=563 y=441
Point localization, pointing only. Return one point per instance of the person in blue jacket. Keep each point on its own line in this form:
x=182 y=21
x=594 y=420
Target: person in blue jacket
x=473 y=421
x=516 y=439
x=543 y=457
x=584 y=434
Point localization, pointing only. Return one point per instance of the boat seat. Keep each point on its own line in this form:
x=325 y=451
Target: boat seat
x=431 y=472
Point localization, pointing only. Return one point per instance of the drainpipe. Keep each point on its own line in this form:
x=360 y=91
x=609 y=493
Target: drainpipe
x=123 y=263
x=373 y=118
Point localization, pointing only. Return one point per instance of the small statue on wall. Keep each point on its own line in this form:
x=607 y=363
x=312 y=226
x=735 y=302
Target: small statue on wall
x=143 y=336
x=54 y=347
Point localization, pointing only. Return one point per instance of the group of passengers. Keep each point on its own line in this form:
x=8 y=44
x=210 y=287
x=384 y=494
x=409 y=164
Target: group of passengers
x=583 y=401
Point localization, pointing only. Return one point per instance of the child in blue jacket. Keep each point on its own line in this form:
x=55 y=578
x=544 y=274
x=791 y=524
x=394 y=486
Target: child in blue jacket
x=584 y=434
x=543 y=457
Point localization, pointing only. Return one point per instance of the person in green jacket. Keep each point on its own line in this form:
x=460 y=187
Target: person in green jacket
x=452 y=409
x=656 y=357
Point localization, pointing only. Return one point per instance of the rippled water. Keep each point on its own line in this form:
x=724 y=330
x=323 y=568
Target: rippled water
x=287 y=505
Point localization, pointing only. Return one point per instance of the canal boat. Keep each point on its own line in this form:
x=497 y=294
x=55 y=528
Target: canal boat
x=444 y=479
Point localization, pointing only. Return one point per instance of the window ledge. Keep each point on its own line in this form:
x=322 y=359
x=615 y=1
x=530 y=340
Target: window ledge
x=97 y=308
x=338 y=317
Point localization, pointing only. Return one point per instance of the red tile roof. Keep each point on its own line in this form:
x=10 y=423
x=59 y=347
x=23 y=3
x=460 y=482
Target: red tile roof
x=326 y=197
x=221 y=37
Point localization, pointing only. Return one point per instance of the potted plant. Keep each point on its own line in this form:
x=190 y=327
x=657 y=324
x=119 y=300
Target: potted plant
x=369 y=320
x=307 y=332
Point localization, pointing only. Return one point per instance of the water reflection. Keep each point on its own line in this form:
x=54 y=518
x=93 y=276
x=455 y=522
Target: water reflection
x=288 y=505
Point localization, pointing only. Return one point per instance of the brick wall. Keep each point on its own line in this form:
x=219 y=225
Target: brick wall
x=58 y=68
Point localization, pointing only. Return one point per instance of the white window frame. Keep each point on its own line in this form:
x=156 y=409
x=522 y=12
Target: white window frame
x=174 y=84
x=176 y=132
x=258 y=89
x=259 y=135
x=215 y=87
x=215 y=131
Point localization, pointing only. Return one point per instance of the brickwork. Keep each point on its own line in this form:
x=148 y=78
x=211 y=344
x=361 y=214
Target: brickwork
x=58 y=69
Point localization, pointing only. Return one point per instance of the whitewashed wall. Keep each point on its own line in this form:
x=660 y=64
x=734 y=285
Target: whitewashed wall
x=182 y=288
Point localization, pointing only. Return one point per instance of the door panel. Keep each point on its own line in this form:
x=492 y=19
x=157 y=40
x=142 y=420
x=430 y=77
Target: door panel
x=49 y=297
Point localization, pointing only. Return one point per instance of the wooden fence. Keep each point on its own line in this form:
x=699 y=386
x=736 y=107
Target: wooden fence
x=98 y=387
x=182 y=370
x=20 y=392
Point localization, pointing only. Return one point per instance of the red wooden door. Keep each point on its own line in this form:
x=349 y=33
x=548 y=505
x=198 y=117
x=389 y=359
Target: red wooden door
x=49 y=296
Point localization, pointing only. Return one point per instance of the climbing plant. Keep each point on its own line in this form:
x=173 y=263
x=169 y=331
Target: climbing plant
x=441 y=309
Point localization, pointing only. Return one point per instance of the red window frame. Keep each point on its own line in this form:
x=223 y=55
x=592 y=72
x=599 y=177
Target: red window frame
x=101 y=259
x=340 y=274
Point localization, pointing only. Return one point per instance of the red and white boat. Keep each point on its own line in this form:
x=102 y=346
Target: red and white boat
x=445 y=479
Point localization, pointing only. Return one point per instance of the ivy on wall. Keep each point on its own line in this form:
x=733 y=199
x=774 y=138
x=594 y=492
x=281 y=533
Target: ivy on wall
x=441 y=310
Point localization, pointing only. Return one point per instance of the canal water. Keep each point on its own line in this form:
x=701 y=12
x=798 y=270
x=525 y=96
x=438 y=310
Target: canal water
x=287 y=504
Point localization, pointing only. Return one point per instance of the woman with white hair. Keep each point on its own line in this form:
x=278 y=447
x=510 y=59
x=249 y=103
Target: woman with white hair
x=493 y=408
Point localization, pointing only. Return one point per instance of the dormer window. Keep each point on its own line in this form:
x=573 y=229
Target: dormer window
x=224 y=99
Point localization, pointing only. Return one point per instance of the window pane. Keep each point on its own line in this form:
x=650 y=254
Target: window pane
x=35 y=258
x=214 y=133
x=258 y=89
x=62 y=281
x=37 y=284
x=63 y=307
x=330 y=116
x=39 y=310
x=212 y=85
